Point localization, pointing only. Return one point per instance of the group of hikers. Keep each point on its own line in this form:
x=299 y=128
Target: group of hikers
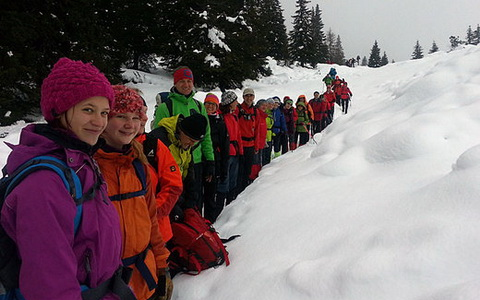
x=101 y=229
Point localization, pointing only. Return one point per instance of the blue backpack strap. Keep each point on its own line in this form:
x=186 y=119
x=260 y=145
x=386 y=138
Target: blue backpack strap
x=69 y=178
x=142 y=176
x=139 y=261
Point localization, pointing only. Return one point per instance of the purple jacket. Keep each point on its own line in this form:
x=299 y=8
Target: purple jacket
x=38 y=214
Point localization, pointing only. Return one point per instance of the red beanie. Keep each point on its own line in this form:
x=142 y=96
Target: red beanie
x=127 y=100
x=183 y=73
x=211 y=98
x=69 y=83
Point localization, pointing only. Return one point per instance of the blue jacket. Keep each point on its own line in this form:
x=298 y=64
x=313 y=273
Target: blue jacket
x=279 y=124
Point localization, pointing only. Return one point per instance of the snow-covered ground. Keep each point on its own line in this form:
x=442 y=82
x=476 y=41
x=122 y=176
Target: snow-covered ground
x=385 y=206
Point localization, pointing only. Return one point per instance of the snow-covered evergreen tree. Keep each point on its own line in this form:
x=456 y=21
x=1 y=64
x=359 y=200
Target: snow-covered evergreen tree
x=330 y=42
x=384 y=60
x=320 y=54
x=470 y=38
x=216 y=37
x=300 y=39
x=338 y=56
x=274 y=31
x=364 y=61
x=434 y=48
x=374 y=59
x=476 y=35
x=417 y=51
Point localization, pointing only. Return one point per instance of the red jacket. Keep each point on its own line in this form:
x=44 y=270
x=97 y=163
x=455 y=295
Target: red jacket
x=261 y=139
x=316 y=105
x=324 y=107
x=168 y=186
x=247 y=123
x=236 y=145
x=330 y=97
x=346 y=93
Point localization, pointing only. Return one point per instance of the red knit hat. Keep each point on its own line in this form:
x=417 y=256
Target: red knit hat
x=127 y=100
x=182 y=73
x=211 y=98
x=69 y=83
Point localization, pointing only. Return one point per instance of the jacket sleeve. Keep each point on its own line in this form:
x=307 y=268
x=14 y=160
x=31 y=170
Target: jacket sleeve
x=158 y=244
x=224 y=149
x=169 y=180
x=283 y=122
x=207 y=146
x=39 y=219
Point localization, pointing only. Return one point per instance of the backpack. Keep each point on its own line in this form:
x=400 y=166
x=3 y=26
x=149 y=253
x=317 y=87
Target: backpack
x=9 y=260
x=163 y=98
x=195 y=245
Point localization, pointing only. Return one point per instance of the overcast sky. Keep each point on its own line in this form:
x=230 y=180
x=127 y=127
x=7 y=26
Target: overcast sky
x=395 y=24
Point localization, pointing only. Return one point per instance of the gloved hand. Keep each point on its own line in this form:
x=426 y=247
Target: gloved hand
x=209 y=171
x=165 y=286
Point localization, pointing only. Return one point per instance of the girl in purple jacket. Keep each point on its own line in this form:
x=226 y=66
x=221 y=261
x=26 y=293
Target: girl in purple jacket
x=38 y=214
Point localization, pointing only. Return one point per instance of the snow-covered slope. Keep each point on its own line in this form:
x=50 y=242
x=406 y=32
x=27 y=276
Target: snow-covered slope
x=385 y=204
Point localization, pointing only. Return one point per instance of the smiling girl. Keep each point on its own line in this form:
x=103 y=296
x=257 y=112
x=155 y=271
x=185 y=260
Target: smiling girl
x=130 y=188
x=57 y=262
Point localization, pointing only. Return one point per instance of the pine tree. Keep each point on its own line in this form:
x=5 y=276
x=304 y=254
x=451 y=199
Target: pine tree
x=300 y=40
x=330 y=42
x=434 y=48
x=274 y=31
x=320 y=54
x=364 y=61
x=417 y=51
x=470 y=38
x=476 y=35
x=337 y=54
x=374 y=59
x=214 y=41
x=384 y=60
x=34 y=36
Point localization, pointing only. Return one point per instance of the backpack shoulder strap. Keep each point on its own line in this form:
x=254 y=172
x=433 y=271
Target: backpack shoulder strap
x=199 y=105
x=67 y=174
x=142 y=176
x=163 y=98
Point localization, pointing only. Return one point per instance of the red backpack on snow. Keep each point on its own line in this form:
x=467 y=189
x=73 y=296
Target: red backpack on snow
x=195 y=245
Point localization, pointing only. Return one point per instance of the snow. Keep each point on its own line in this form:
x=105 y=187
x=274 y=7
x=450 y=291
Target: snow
x=384 y=205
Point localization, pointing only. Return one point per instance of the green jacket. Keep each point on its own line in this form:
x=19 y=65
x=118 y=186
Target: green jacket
x=270 y=122
x=182 y=157
x=182 y=104
x=302 y=121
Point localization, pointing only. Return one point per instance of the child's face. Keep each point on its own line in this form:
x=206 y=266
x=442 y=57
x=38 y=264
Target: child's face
x=122 y=129
x=88 y=119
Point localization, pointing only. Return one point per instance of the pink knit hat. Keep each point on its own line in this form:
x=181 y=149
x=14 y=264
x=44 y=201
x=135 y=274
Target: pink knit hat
x=69 y=83
x=127 y=100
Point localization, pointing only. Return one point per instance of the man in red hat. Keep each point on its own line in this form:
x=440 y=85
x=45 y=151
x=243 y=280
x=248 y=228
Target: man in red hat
x=180 y=100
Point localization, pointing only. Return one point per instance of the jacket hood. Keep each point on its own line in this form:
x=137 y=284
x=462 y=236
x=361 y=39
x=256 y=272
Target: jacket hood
x=170 y=124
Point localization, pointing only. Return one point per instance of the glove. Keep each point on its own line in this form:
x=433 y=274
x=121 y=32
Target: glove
x=165 y=286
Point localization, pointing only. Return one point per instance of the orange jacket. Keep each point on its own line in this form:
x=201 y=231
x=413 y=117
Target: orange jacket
x=167 y=182
x=138 y=216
